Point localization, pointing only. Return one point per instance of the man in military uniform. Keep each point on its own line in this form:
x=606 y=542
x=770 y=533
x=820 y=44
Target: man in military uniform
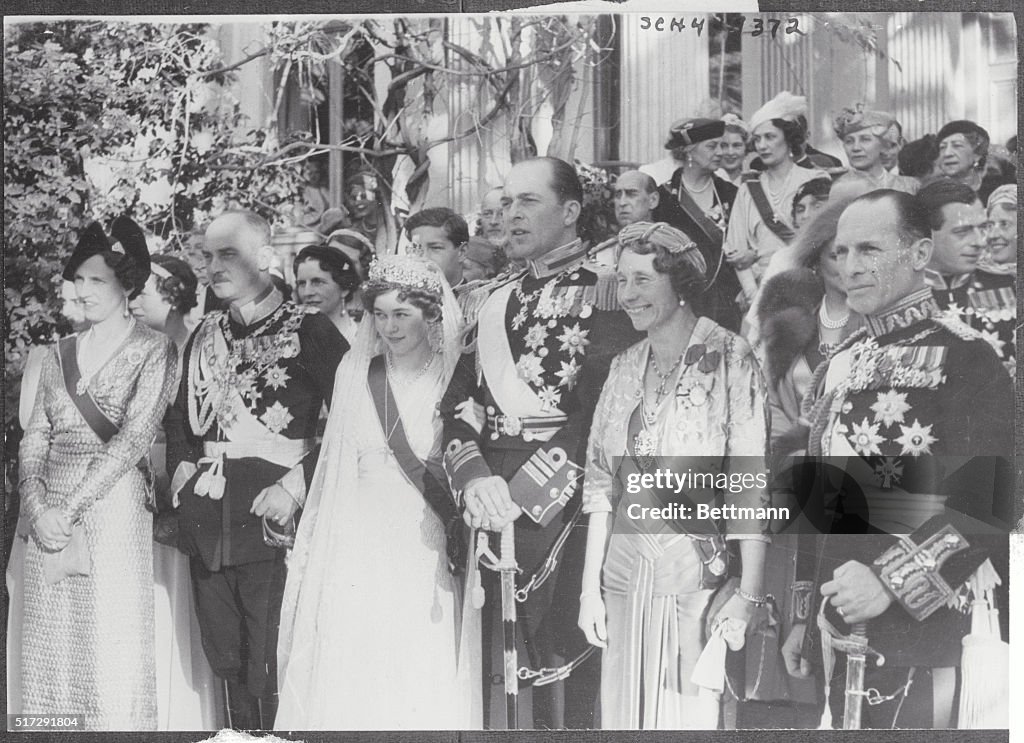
x=914 y=406
x=240 y=442
x=517 y=416
x=985 y=301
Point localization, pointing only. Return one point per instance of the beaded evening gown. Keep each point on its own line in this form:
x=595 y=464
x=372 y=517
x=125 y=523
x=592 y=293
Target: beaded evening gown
x=87 y=643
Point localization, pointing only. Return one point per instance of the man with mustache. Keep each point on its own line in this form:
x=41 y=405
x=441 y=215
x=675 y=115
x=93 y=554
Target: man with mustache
x=516 y=419
x=240 y=445
x=912 y=408
x=959 y=231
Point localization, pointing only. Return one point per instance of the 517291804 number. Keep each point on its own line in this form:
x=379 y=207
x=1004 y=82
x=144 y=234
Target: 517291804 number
x=759 y=25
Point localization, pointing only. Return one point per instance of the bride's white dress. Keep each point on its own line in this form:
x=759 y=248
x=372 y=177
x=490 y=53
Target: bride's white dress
x=372 y=630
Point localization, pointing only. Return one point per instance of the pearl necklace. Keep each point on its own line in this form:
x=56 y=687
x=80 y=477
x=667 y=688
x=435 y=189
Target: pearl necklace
x=827 y=322
x=702 y=189
x=393 y=371
x=777 y=196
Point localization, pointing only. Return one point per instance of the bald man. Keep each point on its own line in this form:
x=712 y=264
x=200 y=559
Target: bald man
x=635 y=196
x=240 y=444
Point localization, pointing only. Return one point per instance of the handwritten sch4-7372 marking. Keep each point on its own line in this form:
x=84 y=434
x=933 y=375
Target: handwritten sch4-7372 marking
x=759 y=25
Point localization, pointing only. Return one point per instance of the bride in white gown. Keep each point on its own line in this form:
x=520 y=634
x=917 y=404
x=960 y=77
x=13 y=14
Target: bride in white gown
x=374 y=634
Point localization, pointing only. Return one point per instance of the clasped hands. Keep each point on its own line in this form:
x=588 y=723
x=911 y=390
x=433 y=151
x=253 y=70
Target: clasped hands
x=489 y=505
x=53 y=530
x=275 y=504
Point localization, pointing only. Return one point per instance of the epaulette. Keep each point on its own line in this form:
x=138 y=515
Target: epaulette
x=956 y=326
x=472 y=301
x=604 y=293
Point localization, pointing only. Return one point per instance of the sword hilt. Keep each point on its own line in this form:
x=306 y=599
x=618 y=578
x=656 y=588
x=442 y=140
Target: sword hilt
x=507 y=561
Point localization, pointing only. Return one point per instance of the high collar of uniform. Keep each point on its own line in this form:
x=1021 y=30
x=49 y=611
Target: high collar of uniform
x=937 y=280
x=912 y=309
x=557 y=260
x=251 y=312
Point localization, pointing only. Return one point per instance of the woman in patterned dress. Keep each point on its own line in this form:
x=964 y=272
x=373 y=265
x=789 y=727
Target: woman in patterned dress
x=690 y=391
x=88 y=630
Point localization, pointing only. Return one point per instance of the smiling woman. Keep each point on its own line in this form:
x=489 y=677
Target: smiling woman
x=379 y=482
x=690 y=390
x=326 y=278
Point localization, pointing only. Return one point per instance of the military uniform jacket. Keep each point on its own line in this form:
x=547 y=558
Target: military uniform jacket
x=917 y=406
x=544 y=344
x=248 y=406
x=985 y=301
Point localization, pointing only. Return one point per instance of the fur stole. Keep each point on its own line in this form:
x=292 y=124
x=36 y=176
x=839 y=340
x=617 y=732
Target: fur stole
x=787 y=317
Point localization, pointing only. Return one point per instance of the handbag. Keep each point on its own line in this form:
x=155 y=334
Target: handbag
x=756 y=672
x=74 y=559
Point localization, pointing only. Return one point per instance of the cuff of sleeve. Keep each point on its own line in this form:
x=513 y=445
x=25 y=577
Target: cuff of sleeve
x=294 y=482
x=32 y=505
x=911 y=571
x=463 y=462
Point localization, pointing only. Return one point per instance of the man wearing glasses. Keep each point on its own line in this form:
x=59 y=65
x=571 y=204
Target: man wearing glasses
x=985 y=301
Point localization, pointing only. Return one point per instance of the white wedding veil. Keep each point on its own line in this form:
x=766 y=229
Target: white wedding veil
x=337 y=472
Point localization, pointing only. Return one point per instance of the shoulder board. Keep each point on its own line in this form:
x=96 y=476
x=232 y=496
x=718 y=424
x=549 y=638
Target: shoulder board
x=472 y=301
x=956 y=326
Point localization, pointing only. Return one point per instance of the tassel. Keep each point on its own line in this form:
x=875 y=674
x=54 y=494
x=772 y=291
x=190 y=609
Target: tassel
x=985 y=662
x=477 y=595
x=212 y=482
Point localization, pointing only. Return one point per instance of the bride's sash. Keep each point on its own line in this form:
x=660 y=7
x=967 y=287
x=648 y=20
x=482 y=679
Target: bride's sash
x=101 y=425
x=428 y=476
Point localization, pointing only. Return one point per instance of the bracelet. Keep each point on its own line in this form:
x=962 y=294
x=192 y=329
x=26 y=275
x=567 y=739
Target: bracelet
x=755 y=600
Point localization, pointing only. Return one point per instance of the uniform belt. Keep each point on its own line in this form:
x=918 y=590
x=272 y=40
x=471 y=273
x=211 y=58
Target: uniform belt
x=527 y=428
x=282 y=452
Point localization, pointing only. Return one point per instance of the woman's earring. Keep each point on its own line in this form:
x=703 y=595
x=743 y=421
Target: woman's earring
x=682 y=302
x=127 y=311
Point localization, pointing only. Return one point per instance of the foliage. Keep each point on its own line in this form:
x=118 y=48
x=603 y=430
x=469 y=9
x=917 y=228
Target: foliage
x=108 y=118
x=398 y=76
x=597 y=217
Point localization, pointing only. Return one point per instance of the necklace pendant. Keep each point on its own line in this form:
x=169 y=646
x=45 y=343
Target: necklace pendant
x=645 y=444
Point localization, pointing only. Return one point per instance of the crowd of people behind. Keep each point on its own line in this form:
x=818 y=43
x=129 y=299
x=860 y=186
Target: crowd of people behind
x=242 y=509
